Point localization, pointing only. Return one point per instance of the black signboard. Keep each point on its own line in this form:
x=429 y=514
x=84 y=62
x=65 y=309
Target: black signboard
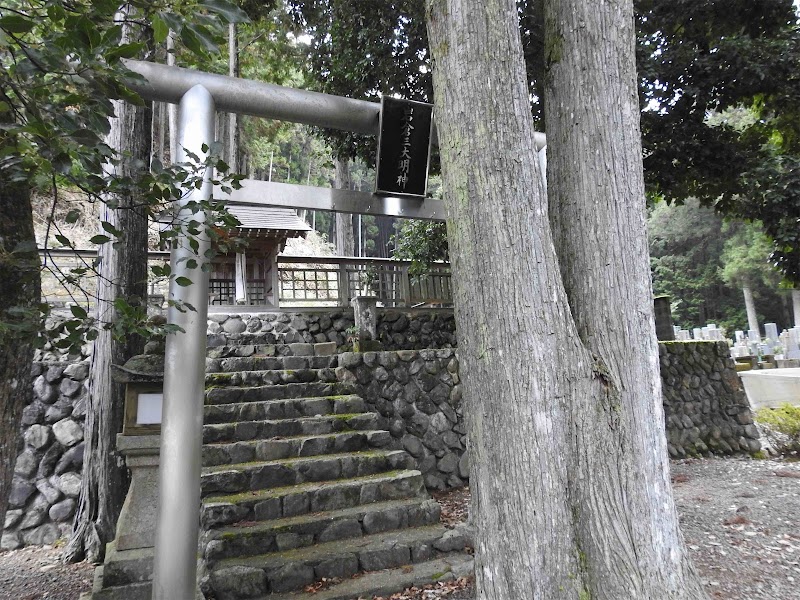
x=404 y=147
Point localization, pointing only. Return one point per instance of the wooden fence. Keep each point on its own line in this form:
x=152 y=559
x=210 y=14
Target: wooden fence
x=301 y=282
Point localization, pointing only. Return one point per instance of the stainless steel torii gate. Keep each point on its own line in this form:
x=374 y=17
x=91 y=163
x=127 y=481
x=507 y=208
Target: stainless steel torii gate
x=199 y=95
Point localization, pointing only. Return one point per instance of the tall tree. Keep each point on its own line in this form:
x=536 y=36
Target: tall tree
x=19 y=316
x=688 y=255
x=570 y=486
x=122 y=273
x=698 y=58
x=61 y=71
x=345 y=241
x=686 y=244
x=745 y=265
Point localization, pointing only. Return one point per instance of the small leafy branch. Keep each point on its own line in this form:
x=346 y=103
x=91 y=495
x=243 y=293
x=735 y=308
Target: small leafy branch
x=158 y=190
x=62 y=71
x=421 y=242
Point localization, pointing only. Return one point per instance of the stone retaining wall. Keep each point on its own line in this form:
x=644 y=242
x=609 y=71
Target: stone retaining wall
x=47 y=478
x=397 y=329
x=418 y=394
x=705 y=407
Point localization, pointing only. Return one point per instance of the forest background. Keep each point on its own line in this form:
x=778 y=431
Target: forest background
x=713 y=146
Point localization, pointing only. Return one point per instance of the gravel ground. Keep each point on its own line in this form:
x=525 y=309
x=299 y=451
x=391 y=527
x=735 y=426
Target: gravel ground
x=36 y=573
x=740 y=518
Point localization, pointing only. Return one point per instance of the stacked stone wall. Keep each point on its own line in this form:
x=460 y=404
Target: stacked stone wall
x=47 y=476
x=418 y=395
x=397 y=329
x=705 y=406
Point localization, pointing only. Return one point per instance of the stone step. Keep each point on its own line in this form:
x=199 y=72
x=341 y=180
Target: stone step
x=270 y=428
x=388 y=581
x=227 y=394
x=291 y=408
x=293 y=569
x=246 y=348
x=269 y=363
x=307 y=498
x=270 y=377
x=289 y=447
x=234 y=479
x=295 y=532
x=223 y=346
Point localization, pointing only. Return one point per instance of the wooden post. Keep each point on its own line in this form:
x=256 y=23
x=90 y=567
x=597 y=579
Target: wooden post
x=344 y=285
x=275 y=275
x=365 y=315
x=405 y=286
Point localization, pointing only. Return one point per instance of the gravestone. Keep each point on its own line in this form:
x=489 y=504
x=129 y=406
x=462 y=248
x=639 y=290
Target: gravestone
x=663 y=314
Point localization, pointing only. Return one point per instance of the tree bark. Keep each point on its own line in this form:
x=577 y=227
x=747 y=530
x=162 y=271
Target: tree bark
x=570 y=486
x=20 y=291
x=233 y=118
x=122 y=273
x=750 y=307
x=619 y=474
x=345 y=243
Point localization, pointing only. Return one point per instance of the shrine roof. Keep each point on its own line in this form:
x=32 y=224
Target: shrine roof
x=263 y=221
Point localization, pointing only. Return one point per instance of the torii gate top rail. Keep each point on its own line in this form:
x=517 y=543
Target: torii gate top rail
x=232 y=94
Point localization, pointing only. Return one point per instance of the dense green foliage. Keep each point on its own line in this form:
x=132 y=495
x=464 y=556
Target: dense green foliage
x=62 y=67
x=421 y=242
x=744 y=257
x=692 y=257
x=362 y=50
x=700 y=58
x=695 y=58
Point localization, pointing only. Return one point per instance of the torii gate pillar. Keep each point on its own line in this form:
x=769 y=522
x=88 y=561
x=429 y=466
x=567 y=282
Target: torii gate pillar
x=177 y=529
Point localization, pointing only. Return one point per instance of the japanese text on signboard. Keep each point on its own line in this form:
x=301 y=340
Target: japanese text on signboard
x=404 y=147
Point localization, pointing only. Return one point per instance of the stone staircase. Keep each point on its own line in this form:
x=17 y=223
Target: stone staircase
x=303 y=493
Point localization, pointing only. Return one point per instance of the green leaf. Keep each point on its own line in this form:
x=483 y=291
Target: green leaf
x=131 y=50
x=183 y=281
x=161 y=270
x=16 y=24
x=72 y=216
x=99 y=239
x=171 y=20
x=110 y=228
x=199 y=39
x=229 y=12
x=78 y=312
x=160 y=29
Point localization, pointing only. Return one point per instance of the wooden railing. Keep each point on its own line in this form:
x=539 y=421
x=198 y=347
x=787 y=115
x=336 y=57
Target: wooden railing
x=305 y=282
x=333 y=281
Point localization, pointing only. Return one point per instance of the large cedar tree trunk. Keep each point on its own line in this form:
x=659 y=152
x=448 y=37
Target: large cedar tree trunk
x=20 y=289
x=233 y=118
x=345 y=240
x=570 y=486
x=122 y=273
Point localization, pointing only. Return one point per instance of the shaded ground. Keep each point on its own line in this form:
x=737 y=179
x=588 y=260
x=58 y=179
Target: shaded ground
x=36 y=573
x=740 y=518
